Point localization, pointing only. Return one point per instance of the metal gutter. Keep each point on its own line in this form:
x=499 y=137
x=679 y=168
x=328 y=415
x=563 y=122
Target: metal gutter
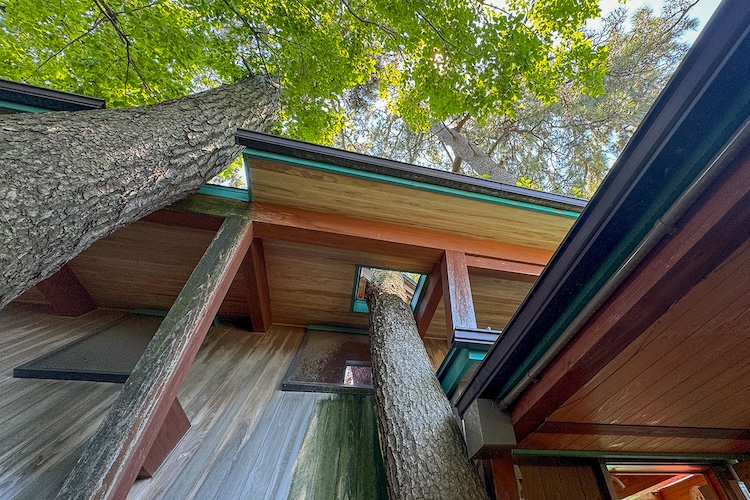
x=32 y=98
x=706 y=101
x=359 y=165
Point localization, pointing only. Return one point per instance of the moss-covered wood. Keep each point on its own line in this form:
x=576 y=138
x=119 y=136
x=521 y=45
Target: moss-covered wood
x=113 y=457
x=423 y=449
x=340 y=456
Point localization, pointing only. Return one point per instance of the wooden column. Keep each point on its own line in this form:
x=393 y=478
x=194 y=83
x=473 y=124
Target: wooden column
x=459 y=306
x=256 y=287
x=66 y=294
x=429 y=301
x=114 y=455
x=503 y=474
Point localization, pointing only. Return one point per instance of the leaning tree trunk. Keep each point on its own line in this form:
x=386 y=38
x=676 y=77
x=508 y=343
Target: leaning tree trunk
x=71 y=178
x=423 y=449
x=472 y=154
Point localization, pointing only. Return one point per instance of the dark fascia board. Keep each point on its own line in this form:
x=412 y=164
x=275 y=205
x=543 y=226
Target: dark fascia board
x=705 y=102
x=371 y=164
x=38 y=97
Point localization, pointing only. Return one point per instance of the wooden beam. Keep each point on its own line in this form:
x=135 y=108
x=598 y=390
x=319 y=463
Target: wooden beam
x=256 y=287
x=184 y=219
x=175 y=425
x=503 y=473
x=338 y=231
x=457 y=300
x=503 y=269
x=429 y=302
x=114 y=455
x=66 y=294
x=708 y=235
x=642 y=430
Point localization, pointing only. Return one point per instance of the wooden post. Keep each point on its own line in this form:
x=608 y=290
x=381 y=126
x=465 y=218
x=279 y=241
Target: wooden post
x=66 y=294
x=459 y=306
x=504 y=482
x=429 y=301
x=256 y=287
x=114 y=455
x=175 y=425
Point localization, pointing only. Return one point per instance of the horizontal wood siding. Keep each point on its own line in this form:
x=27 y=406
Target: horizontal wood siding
x=556 y=479
x=340 y=456
x=689 y=369
x=44 y=424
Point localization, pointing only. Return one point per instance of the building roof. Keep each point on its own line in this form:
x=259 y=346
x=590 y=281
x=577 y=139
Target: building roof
x=22 y=97
x=693 y=130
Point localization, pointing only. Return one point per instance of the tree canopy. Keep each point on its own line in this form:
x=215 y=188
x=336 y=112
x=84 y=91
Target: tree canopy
x=428 y=60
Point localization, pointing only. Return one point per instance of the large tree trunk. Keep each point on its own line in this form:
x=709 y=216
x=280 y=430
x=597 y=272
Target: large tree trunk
x=472 y=154
x=423 y=449
x=71 y=178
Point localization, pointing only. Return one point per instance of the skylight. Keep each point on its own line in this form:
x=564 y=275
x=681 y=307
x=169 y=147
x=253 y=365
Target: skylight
x=413 y=282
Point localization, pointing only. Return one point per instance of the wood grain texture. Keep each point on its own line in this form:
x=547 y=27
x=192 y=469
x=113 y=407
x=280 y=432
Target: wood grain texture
x=712 y=235
x=304 y=188
x=175 y=425
x=256 y=286
x=111 y=461
x=66 y=294
x=44 y=424
x=232 y=399
x=389 y=238
x=340 y=456
x=557 y=479
x=458 y=302
x=430 y=300
x=504 y=480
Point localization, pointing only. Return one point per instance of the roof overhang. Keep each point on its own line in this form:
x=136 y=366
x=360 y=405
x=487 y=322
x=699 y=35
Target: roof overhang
x=693 y=129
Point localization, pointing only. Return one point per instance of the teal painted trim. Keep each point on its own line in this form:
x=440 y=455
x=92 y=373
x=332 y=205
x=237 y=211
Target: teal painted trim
x=683 y=457
x=455 y=365
x=225 y=192
x=455 y=371
x=338 y=329
x=23 y=108
x=418 y=291
x=397 y=181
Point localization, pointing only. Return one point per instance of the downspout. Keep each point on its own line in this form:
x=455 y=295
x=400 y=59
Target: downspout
x=663 y=226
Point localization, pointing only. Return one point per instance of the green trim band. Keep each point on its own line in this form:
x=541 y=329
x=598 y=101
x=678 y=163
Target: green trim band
x=23 y=108
x=225 y=192
x=397 y=181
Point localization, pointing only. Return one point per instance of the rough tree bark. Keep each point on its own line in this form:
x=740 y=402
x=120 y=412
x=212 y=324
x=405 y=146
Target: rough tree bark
x=472 y=154
x=71 y=178
x=423 y=449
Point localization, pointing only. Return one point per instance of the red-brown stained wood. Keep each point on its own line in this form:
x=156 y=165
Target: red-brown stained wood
x=710 y=232
x=459 y=305
x=290 y=224
x=504 y=477
x=256 y=285
x=430 y=300
x=66 y=294
x=503 y=269
x=114 y=455
x=175 y=425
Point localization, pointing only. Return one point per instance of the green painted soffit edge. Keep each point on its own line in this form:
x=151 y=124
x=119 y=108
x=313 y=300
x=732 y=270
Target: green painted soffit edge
x=23 y=108
x=397 y=181
x=691 y=457
x=715 y=140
